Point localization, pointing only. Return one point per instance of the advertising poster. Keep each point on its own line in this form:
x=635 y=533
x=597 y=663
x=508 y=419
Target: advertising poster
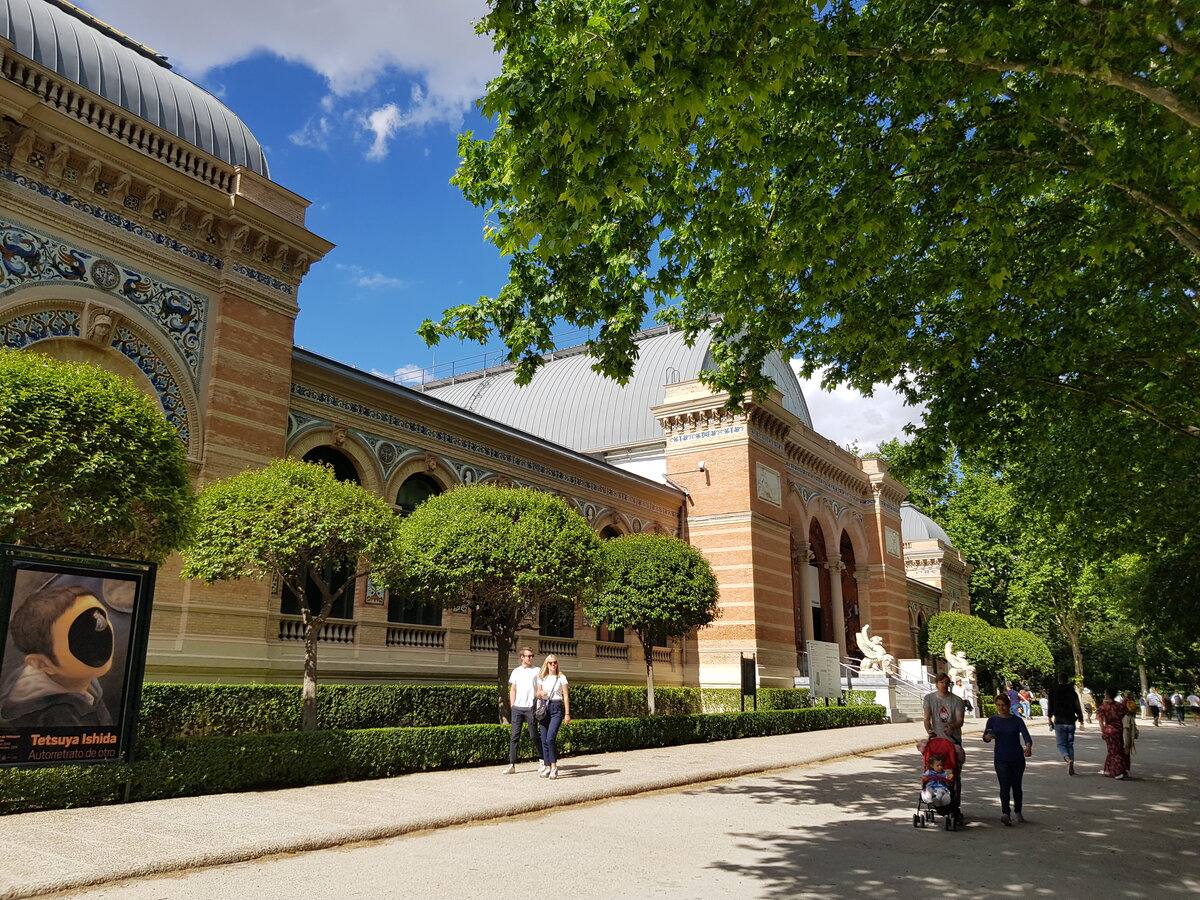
x=73 y=635
x=824 y=669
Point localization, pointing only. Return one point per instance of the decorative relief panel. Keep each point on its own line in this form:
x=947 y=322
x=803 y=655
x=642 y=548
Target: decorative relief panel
x=28 y=257
x=168 y=390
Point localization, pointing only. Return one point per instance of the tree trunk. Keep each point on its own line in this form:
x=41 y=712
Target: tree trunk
x=502 y=646
x=649 y=652
x=308 y=713
x=1143 y=682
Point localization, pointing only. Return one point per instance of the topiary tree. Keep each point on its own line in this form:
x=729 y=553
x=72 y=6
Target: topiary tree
x=501 y=553
x=1003 y=654
x=658 y=587
x=296 y=521
x=88 y=463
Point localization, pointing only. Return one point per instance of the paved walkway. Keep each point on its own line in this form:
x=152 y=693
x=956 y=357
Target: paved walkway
x=52 y=851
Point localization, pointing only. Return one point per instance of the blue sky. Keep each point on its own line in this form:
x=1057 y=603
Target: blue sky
x=359 y=106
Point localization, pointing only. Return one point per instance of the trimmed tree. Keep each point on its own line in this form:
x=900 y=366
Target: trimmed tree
x=658 y=587
x=500 y=554
x=295 y=521
x=88 y=463
x=1001 y=653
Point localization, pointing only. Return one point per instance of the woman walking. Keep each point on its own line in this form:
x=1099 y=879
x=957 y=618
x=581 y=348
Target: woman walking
x=1012 y=747
x=1111 y=714
x=553 y=690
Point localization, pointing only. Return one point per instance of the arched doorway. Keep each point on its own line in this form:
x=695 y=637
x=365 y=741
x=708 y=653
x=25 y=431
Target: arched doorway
x=334 y=576
x=822 y=617
x=403 y=608
x=850 y=605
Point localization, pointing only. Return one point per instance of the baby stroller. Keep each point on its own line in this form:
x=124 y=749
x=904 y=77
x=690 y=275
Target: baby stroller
x=951 y=813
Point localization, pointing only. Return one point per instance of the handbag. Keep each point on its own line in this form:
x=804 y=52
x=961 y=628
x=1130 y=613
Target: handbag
x=541 y=712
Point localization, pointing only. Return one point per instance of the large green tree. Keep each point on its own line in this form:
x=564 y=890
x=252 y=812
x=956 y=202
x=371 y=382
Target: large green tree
x=658 y=587
x=295 y=521
x=88 y=463
x=501 y=554
x=996 y=202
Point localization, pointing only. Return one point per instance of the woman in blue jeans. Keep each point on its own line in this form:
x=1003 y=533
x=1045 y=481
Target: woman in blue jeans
x=1012 y=746
x=553 y=690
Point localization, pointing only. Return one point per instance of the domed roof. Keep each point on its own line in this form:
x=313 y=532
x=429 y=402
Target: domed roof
x=567 y=402
x=916 y=526
x=67 y=40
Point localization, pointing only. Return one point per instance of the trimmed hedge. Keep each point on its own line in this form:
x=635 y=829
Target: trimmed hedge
x=211 y=710
x=213 y=765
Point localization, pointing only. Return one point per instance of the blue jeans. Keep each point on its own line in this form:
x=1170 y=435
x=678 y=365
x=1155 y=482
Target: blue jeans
x=549 y=730
x=1064 y=736
x=1009 y=775
x=522 y=715
x=1026 y=709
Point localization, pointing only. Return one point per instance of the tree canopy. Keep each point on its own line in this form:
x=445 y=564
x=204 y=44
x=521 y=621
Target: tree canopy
x=502 y=554
x=1003 y=654
x=996 y=204
x=658 y=587
x=88 y=463
x=295 y=521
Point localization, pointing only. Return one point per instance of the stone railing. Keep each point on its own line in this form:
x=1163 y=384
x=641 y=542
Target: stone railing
x=341 y=631
x=558 y=646
x=663 y=655
x=120 y=125
x=416 y=636
x=612 y=651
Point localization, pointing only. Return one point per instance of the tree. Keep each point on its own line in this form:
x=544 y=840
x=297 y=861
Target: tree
x=996 y=202
x=1001 y=654
x=658 y=587
x=501 y=554
x=88 y=463
x=295 y=521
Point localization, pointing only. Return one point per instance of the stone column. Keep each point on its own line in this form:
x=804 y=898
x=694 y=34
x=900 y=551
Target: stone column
x=804 y=557
x=835 y=568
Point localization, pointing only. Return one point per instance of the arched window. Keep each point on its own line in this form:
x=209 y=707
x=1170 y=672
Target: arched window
x=406 y=609
x=850 y=595
x=334 y=576
x=605 y=633
x=415 y=491
x=823 y=617
x=608 y=532
x=557 y=621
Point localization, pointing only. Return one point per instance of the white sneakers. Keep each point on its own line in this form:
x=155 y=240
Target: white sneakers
x=554 y=772
x=542 y=768
x=511 y=770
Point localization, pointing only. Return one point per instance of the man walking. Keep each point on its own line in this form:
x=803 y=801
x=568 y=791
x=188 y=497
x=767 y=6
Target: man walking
x=1177 y=702
x=522 y=695
x=944 y=712
x=1154 y=701
x=1065 y=711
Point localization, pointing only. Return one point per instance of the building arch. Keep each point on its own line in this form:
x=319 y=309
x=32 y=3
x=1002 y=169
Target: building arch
x=75 y=324
x=823 y=625
x=320 y=441
x=420 y=463
x=850 y=594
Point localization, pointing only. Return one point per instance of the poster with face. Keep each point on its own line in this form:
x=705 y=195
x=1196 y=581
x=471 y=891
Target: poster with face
x=74 y=644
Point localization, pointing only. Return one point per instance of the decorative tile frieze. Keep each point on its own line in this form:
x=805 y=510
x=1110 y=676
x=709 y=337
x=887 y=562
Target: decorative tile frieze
x=49 y=323
x=169 y=394
x=274 y=284
x=701 y=435
x=801 y=472
x=29 y=257
x=453 y=440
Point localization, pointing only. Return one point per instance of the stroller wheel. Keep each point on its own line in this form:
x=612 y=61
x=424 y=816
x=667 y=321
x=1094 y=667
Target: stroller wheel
x=917 y=820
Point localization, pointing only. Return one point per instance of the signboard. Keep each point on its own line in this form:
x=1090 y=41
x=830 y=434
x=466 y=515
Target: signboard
x=73 y=633
x=824 y=669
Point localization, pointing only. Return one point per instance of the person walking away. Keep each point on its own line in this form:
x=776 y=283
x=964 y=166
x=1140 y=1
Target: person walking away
x=1065 y=711
x=1012 y=746
x=555 y=693
x=1014 y=697
x=1155 y=701
x=1111 y=714
x=1194 y=702
x=1177 y=702
x=1026 y=702
x=1089 y=704
x=943 y=716
x=522 y=693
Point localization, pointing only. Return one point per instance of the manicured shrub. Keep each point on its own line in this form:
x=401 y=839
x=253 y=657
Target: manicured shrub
x=212 y=765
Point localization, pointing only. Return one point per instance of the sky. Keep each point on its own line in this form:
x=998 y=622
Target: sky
x=359 y=107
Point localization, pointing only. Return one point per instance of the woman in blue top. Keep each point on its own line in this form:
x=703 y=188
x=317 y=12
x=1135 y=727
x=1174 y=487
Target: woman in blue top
x=1013 y=746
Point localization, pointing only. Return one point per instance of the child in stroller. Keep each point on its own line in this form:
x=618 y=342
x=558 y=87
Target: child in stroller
x=940 y=788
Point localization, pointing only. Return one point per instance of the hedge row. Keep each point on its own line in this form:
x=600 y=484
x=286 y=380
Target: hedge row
x=214 y=765
x=210 y=710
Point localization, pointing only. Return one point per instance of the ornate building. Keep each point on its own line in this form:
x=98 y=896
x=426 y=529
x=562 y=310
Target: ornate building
x=140 y=231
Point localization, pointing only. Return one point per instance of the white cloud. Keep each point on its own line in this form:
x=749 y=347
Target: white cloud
x=404 y=375
x=845 y=416
x=351 y=45
x=365 y=278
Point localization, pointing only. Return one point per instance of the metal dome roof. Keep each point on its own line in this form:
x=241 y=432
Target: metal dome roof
x=916 y=526
x=57 y=35
x=572 y=405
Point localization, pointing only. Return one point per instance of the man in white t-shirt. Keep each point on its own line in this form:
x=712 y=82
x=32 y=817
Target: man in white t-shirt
x=522 y=697
x=1154 y=701
x=944 y=713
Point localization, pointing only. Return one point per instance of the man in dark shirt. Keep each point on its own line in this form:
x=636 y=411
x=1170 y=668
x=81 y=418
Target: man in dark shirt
x=1065 y=711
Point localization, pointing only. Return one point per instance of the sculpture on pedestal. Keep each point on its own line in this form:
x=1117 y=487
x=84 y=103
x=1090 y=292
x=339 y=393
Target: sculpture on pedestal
x=960 y=667
x=875 y=657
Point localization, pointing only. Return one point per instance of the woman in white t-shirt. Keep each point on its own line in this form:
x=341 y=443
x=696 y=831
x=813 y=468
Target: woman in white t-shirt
x=552 y=689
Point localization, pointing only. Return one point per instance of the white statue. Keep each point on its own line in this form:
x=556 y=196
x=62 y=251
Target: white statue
x=959 y=666
x=874 y=656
